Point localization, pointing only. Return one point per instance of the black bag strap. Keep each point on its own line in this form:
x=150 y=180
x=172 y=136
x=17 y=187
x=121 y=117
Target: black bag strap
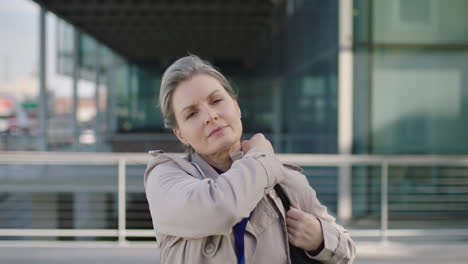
x=284 y=198
x=297 y=255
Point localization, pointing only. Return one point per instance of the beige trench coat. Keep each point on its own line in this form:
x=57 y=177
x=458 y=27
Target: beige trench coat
x=194 y=208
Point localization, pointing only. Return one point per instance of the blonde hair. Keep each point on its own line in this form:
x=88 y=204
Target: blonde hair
x=182 y=70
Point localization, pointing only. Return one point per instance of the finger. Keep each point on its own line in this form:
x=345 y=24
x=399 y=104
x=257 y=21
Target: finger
x=292 y=227
x=293 y=240
x=244 y=144
x=294 y=231
x=293 y=222
x=295 y=213
x=259 y=135
x=298 y=233
x=296 y=237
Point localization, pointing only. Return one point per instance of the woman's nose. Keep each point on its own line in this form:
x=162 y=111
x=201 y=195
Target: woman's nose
x=211 y=115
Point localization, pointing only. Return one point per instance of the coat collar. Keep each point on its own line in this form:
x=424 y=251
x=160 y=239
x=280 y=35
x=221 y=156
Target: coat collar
x=206 y=169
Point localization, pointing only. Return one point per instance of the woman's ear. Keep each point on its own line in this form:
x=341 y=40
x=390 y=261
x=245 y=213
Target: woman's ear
x=179 y=136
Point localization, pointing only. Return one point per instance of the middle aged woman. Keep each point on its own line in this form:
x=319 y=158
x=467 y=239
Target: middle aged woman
x=220 y=204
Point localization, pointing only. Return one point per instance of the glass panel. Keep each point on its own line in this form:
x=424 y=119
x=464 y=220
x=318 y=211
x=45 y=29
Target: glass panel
x=361 y=21
x=323 y=180
x=58 y=196
x=366 y=196
x=361 y=104
x=64 y=48
x=436 y=194
x=310 y=83
x=419 y=102
x=420 y=21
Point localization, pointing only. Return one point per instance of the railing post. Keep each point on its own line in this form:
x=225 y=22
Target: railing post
x=384 y=202
x=344 y=194
x=122 y=229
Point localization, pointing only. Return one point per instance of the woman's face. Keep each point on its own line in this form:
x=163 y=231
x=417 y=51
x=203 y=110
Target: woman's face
x=208 y=118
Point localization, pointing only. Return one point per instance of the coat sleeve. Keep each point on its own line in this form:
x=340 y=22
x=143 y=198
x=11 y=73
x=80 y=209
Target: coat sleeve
x=185 y=206
x=339 y=247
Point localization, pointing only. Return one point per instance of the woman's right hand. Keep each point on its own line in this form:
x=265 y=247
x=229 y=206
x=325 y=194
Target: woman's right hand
x=257 y=141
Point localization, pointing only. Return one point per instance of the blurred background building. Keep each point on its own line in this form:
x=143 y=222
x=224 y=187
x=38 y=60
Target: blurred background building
x=316 y=77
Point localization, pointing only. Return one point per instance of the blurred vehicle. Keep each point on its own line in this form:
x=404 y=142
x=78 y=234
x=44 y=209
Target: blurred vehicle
x=13 y=117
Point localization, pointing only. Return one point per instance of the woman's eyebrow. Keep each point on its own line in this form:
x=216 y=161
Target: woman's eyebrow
x=187 y=107
x=211 y=94
x=192 y=105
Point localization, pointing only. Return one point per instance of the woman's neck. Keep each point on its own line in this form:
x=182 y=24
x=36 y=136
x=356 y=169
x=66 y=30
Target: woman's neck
x=221 y=160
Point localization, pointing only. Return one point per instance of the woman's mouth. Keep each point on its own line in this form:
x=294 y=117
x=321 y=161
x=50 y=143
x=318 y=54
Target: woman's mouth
x=216 y=131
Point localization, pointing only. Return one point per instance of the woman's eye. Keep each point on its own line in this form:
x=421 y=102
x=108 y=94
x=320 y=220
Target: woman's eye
x=191 y=115
x=217 y=101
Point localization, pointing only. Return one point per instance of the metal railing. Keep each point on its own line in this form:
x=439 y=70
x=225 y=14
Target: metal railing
x=310 y=160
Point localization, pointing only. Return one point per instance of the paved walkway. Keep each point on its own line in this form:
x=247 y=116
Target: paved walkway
x=109 y=253
x=76 y=253
x=412 y=252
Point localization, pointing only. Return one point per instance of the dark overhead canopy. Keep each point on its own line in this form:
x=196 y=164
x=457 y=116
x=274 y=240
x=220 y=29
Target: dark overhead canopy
x=157 y=30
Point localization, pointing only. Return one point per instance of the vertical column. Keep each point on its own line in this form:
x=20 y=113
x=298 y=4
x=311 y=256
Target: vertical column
x=136 y=75
x=75 y=126
x=97 y=99
x=43 y=109
x=111 y=105
x=108 y=81
x=130 y=101
x=277 y=113
x=345 y=106
x=104 y=111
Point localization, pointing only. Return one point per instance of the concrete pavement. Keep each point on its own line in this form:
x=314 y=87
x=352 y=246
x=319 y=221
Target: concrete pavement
x=414 y=252
x=77 y=253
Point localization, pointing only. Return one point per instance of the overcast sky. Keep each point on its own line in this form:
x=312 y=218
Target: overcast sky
x=19 y=35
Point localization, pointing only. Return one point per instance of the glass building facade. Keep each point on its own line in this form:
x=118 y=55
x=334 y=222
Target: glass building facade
x=411 y=97
x=409 y=94
x=289 y=92
x=411 y=84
